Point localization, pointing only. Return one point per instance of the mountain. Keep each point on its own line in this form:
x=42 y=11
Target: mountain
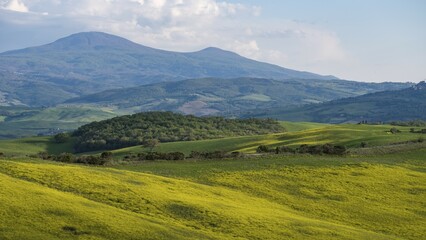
x=90 y=62
x=228 y=96
x=385 y=106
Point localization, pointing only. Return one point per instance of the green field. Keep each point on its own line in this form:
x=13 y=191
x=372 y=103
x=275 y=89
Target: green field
x=26 y=146
x=275 y=197
x=350 y=135
x=377 y=192
x=24 y=122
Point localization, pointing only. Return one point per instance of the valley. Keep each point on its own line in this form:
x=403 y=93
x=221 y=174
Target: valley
x=104 y=138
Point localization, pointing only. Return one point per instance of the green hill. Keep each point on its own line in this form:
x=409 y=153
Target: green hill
x=386 y=106
x=136 y=129
x=213 y=96
x=379 y=197
x=350 y=135
x=23 y=121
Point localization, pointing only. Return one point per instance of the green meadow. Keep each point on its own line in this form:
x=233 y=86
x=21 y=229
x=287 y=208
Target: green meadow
x=375 y=192
x=350 y=135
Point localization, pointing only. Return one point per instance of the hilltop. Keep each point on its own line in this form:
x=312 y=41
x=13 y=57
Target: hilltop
x=385 y=106
x=136 y=129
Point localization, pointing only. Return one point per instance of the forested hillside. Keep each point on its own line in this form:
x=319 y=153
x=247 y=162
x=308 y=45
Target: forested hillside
x=386 y=106
x=131 y=130
x=215 y=96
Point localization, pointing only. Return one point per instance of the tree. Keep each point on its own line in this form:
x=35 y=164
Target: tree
x=61 y=137
x=262 y=149
x=106 y=155
x=151 y=144
x=394 y=130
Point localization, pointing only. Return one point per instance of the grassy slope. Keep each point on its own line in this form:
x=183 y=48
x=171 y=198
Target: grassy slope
x=33 y=145
x=348 y=134
x=298 y=133
x=206 y=211
x=32 y=211
x=273 y=197
x=385 y=194
x=30 y=122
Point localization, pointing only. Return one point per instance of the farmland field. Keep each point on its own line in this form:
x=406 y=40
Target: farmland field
x=376 y=192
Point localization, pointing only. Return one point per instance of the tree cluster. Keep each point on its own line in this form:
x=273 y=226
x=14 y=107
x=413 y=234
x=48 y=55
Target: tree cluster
x=138 y=129
x=175 y=156
x=328 y=149
x=104 y=158
x=413 y=123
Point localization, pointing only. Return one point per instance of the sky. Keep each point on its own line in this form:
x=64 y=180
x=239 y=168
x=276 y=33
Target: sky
x=362 y=40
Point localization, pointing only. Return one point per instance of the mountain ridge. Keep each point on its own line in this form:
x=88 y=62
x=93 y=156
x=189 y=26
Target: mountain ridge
x=384 y=106
x=228 y=96
x=90 y=62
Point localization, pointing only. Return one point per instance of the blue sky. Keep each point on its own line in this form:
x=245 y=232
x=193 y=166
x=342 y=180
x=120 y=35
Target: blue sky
x=364 y=40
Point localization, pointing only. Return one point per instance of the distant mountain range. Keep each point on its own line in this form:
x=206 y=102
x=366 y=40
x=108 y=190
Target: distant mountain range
x=229 y=97
x=90 y=62
x=93 y=76
x=406 y=104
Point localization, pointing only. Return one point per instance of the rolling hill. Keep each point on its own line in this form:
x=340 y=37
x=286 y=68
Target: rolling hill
x=214 y=96
x=269 y=197
x=90 y=62
x=385 y=106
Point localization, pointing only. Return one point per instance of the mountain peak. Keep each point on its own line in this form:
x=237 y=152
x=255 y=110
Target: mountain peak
x=93 y=40
x=216 y=51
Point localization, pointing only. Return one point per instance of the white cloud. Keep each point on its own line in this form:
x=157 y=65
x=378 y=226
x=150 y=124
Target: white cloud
x=15 y=5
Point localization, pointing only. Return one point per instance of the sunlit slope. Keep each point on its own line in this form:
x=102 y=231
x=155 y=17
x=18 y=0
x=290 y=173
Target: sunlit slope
x=350 y=135
x=32 y=211
x=381 y=193
x=213 y=211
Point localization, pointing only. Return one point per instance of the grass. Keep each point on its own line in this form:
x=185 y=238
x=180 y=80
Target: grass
x=27 y=146
x=350 y=135
x=372 y=193
x=41 y=121
x=236 y=205
x=300 y=126
x=33 y=211
x=81 y=114
x=297 y=134
x=381 y=193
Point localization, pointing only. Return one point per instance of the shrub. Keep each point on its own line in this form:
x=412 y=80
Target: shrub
x=64 y=157
x=363 y=144
x=394 y=130
x=44 y=155
x=236 y=154
x=106 y=155
x=284 y=149
x=262 y=149
x=322 y=149
x=61 y=137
